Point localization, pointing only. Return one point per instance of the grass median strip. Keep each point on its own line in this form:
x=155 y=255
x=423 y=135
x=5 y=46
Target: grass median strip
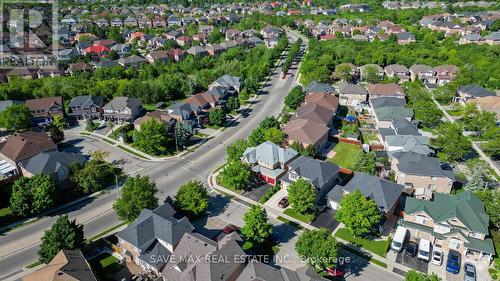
x=108 y=141
x=109 y=230
x=131 y=151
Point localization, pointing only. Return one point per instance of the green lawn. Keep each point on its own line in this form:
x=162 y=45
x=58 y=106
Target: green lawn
x=105 y=266
x=131 y=151
x=307 y=218
x=149 y=106
x=346 y=155
x=7 y=217
x=377 y=247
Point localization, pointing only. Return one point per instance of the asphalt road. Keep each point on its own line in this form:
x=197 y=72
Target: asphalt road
x=18 y=248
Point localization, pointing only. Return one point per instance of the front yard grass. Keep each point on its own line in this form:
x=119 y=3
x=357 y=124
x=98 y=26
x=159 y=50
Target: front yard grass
x=105 y=266
x=378 y=247
x=346 y=155
x=306 y=218
x=130 y=151
x=7 y=217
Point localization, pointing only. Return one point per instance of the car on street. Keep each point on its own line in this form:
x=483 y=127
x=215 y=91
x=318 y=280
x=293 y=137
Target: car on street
x=335 y=271
x=469 y=272
x=283 y=203
x=424 y=250
x=229 y=229
x=437 y=256
x=411 y=249
x=453 y=262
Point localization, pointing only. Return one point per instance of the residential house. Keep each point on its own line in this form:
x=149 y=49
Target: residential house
x=158 y=115
x=386 y=101
x=215 y=49
x=317 y=87
x=182 y=111
x=472 y=91
x=106 y=64
x=415 y=170
x=408 y=143
x=399 y=126
x=351 y=94
x=405 y=38
x=21 y=146
x=20 y=72
x=183 y=268
x=197 y=51
x=269 y=160
x=173 y=20
x=271 y=31
x=386 y=194
x=445 y=73
x=44 y=109
x=96 y=51
x=159 y=22
x=258 y=271
x=122 y=109
x=399 y=71
x=132 y=61
x=489 y=104
x=83 y=107
x=317 y=113
x=121 y=49
x=307 y=133
x=204 y=100
x=424 y=73
x=51 y=163
x=452 y=222
x=323 y=99
x=6 y=103
x=173 y=34
x=385 y=90
x=384 y=116
x=177 y=54
x=79 y=67
x=184 y=40
x=116 y=22
x=154 y=233
x=67 y=265
x=322 y=175
x=144 y=23
x=231 y=83
x=160 y=56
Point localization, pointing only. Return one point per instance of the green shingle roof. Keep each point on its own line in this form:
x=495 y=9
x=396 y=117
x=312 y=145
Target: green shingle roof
x=465 y=207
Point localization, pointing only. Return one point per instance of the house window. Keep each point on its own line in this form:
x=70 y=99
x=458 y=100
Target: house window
x=293 y=176
x=432 y=187
x=454 y=243
x=441 y=229
x=421 y=219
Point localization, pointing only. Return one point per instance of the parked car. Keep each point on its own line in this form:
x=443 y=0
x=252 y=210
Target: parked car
x=335 y=271
x=283 y=203
x=399 y=239
x=437 y=256
x=229 y=229
x=453 y=263
x=424 y=250
x=469 y=272
x=411 y=249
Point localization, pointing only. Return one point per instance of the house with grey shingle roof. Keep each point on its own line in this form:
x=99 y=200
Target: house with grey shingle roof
x=82 y=107
x=317 y=87
x=269 y=160
x=322 y=175
x=415 y=170
x=154 y=233
x=472 y=91
x=385 y=115
x=385 y=193
x=122 y=109
x=231 y=83
x=258 y=271
x=453 y=222
x=408 y=143
x=351 y=94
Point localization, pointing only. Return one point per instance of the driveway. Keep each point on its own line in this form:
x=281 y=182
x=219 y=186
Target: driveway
x=256 y=191
x=273 y=201
x=326 y=219
x=412 y=262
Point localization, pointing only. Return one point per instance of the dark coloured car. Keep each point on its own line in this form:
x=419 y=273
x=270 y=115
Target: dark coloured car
x=453 y=263
x=283 y=203
x=411 y=249
x=229 y=229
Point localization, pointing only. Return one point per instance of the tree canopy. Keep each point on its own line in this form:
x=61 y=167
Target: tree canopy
x=318 y=247
x=33 y=195
x=295 y=97
x=235 y=175
x=151 y=137
x=301 y=195
x=15 y=117
x=137 y=193
x=366 y=163
x=256 y=227
x=64 y=234
x=192 y=198
x=453 y=144
x=358 y=213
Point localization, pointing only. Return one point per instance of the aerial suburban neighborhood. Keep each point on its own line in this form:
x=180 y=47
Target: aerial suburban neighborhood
x=302 y=140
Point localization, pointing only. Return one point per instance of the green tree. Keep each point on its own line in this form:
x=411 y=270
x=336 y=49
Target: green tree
x=428 y=113
x=232 y=104
x=318 y=247
x=371 y=74
x=90 y=125
x=256 y=227
x=192 y=198
x=182 y=135
x=301 y=195
x=492 y=147
x=269 y=122
x=358 y=213
x=236 y=149
x=216 y=36
x=491 y=201
x=366 y=163
x=217 y=117
x=96 y=174
x=151 y=137
x=413 y=275
x=453 y=144
x=137 y=194
x=343 y=72
x=32 y=195
x=295 y=97
x=274 y=135
x=235 y=175
x=64 y=234
x=55 y=133
x=16 y=117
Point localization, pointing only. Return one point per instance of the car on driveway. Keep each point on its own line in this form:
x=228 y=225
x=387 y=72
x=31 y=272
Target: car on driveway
x=411 y=249
x=469 y=272
x=437 y=256
x=283 y=203
x=424 y=250
x=453 y=263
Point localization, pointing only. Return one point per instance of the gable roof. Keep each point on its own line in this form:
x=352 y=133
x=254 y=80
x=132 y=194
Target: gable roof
x=227 y=82
x=23 y=145
x=465 y=207
x=402 y=126
x=47 y=163
x=475 y=91
x=44 y=103
x=317 y=87
x=324 y=99
x=388 y=113
x=410 y=143
x=6 y=103
x=385 y=193
x=161 y=223
x=86 y=101
x=120 y=103
x=258 y=271
x=412 y=163
x=269 y=152
x=316 y=113
x=387 y=101
x=67 y=265
x=346 y=88
x=390 y=89
x=318 y=173
x=305 y=131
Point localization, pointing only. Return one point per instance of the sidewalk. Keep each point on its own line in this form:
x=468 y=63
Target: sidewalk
x=391 y=264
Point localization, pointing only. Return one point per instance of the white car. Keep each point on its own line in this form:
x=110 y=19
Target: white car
x=399 y=239
x=437 y=256
x=424 y=249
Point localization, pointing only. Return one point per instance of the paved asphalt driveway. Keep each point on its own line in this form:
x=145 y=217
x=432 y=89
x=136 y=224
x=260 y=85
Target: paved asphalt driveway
x=326 y=219
x=412 y=262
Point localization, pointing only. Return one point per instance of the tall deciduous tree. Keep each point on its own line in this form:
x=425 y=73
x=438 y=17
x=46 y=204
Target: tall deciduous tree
x=138 y=193
x=151 y=137
x=182 y=135
x=192 y=198
x=16 y=117
x=358 y=213
x=256 y=227
x=96 y=174
x=64 y=234
x=32 y=195
x=236 y=149
x=235 y=174
x=301 y=195
x=295 y=97
x=318 y=247
x=217 y=117
x=454 y=145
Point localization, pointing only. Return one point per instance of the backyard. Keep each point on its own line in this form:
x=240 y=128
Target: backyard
x=345 y=155
x=105 y=266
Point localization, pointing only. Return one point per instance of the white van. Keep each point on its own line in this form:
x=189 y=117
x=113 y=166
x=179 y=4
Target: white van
x=399 y=239
x=424 y=250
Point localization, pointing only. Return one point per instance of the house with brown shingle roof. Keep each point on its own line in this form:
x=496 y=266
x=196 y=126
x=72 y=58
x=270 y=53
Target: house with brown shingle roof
x=307 y=133
x=158 y=115
x=44 y=109
x=323 y=99
x=316 y=113
x=385 y=90
x=67 y=265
